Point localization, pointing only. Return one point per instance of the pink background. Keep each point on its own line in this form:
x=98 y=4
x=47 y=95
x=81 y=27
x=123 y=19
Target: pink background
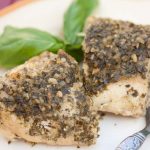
x=4 y=3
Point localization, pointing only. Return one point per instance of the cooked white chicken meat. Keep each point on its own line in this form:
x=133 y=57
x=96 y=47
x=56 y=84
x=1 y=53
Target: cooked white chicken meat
x=116 y=66
x=43 y=101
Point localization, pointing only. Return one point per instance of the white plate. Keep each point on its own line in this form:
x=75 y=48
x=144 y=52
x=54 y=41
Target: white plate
x=48 y=15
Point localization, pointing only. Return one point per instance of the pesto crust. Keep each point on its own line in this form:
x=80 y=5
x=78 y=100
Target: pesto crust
x=47 y=99
x=114 y=50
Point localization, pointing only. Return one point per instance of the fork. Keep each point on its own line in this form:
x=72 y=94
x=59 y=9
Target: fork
x=135 y=141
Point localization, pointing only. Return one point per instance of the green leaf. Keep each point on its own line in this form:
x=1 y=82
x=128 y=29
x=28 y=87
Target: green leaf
x=75 y=51
x=75 y=18
x=18 y=45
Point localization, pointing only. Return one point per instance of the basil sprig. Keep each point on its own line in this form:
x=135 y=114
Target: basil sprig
x=19 y=44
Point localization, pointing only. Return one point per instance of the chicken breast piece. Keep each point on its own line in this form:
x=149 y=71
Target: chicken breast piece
x=116 y=66
x=43 y=101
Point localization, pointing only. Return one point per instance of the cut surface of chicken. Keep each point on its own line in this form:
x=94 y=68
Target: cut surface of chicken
x=116 y=66
x=43 y=101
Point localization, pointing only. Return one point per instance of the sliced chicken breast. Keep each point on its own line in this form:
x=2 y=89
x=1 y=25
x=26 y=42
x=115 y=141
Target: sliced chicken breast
x=116 y=66
x=43 y=101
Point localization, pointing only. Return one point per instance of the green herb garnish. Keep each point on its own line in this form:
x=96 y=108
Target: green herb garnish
x=18 y=45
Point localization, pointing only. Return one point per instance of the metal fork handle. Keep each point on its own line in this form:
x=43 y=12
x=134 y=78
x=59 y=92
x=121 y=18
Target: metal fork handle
x=133 y=142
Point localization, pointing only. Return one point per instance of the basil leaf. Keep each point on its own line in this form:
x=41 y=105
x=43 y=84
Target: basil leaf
x=75 y=51
x=75 y=18
x=18 y=45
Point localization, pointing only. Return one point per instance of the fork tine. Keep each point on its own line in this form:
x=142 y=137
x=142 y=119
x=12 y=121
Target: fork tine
x=148 y=116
